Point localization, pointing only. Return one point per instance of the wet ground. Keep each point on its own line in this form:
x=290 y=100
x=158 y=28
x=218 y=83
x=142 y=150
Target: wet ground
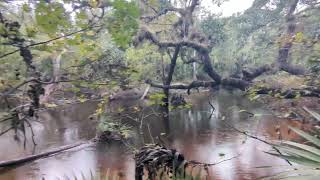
x=194 y=132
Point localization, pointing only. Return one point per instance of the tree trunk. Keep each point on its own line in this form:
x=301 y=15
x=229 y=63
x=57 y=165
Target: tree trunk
x=56 y=65
x=288 y=39
x=207 y=65
x=168 y=79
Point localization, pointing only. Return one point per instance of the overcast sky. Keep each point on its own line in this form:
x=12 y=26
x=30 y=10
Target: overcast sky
x=228 y=8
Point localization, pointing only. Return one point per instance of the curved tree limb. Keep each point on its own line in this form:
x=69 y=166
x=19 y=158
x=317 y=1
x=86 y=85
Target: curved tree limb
x=146 y=34
x=164 y=11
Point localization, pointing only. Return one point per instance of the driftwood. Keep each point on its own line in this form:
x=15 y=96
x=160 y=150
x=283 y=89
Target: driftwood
x=29 y=158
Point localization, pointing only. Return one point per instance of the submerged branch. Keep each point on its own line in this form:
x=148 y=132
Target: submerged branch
x=40 y=155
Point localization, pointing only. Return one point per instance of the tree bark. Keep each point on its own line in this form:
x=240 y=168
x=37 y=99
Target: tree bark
x=168 y=79
x=208 y=67
x=251 y=74
x=56 y=63
x=288 y=39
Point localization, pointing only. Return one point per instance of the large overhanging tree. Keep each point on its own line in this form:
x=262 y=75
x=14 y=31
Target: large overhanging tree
x=184 y=34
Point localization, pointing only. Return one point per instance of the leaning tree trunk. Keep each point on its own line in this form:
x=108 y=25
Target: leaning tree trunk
x=287 y=43
x=56 y=62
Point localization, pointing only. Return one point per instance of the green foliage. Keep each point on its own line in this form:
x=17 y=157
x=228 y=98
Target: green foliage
x=84 y=55
x=185 y=106
x=156 y=99
x=251 y=39
x=108 y=125
x=214 y=28
x=123 y=21
x=51 y=16
x=145 y=61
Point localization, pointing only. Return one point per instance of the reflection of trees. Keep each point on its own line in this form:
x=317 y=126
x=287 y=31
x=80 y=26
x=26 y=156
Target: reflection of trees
x=114 y=162
x=67 y=125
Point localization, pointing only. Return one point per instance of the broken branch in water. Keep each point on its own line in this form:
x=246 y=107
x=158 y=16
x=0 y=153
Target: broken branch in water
x=212 y=164
x=40 y=155
x=213 y=109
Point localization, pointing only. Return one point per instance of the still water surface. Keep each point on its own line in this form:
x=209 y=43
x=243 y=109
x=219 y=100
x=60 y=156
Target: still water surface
x=191 y=131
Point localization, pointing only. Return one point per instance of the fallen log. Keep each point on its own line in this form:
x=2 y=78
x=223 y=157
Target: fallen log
x=233 y=82
x=188 y=87
x=29 y=158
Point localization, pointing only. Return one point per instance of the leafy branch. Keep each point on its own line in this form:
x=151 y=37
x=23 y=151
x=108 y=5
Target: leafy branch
x=51 y=40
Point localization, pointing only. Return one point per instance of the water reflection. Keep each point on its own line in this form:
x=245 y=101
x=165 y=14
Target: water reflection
x=193 y=132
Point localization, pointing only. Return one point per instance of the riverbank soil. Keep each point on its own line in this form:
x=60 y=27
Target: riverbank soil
x=293 y=107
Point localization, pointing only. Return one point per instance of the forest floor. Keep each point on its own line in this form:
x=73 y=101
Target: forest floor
x=292 y=108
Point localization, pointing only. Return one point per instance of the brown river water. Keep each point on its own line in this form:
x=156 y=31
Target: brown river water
x=191 y=131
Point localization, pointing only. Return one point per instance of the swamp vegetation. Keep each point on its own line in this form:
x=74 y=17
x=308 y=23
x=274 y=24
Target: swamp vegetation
x=159 y=89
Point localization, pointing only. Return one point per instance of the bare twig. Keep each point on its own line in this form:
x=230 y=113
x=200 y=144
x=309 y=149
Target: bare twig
x=32 y=132
x=148 y=126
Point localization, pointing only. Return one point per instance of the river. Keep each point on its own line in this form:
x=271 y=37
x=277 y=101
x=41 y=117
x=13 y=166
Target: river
x=194 y=132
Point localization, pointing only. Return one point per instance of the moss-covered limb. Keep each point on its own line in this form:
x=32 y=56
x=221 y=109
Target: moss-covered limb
x=188 y=87
x=252 y=73
x=236 y=83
